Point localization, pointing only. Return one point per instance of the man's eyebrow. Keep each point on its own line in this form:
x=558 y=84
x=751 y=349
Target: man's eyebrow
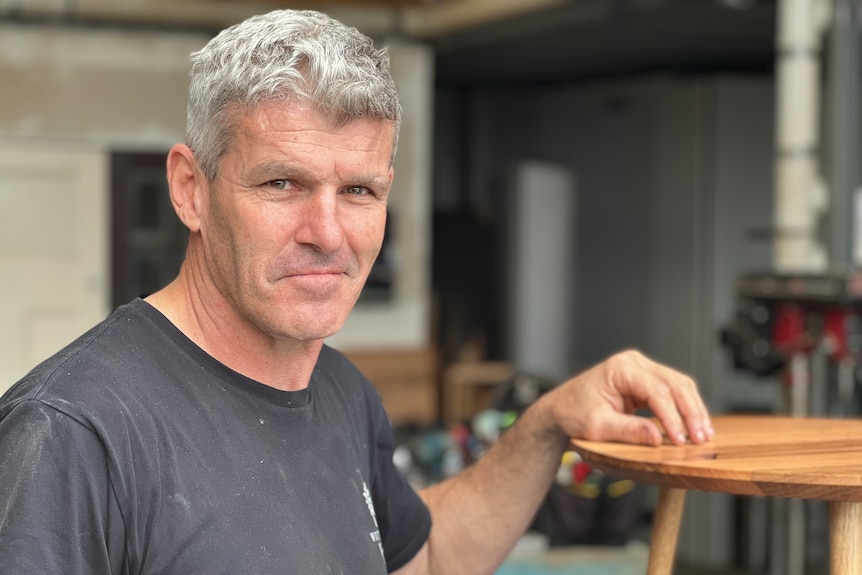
x=276 y=169
x=372 y=181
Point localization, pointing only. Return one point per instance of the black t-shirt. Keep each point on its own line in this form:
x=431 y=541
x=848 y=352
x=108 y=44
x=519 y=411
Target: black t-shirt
x=133 y=451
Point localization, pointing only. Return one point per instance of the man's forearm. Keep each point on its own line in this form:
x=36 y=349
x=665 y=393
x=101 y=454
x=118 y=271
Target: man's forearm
x=500 y=492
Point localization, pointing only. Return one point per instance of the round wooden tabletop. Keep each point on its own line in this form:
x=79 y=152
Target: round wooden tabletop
x=773 y=456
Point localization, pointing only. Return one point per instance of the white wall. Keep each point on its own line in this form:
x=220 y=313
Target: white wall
x=115 y=88
x=542 y=268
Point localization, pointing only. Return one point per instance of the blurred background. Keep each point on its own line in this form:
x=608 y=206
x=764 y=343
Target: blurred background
x=574 y=178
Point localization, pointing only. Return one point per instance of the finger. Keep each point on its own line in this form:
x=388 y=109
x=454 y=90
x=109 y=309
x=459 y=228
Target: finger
x=663 y=405
x=689 y=404
x=632 y=429
x=641 y=380
x=652 y=383
x=680 y=406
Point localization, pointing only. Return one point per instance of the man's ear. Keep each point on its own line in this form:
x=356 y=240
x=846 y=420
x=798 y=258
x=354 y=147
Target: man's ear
x=187 y=185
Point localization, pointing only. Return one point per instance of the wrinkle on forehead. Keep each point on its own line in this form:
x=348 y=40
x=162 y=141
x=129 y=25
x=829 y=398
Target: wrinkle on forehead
x=309 y=127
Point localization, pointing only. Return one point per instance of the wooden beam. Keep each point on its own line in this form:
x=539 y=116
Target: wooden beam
x=378 y=18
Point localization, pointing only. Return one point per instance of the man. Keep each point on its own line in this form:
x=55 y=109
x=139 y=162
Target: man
x=208 y=429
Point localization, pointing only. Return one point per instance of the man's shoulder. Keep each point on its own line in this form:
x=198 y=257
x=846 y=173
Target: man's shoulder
x=341 y=373
x=333 y=359
x=341 y=370
x=82 y=368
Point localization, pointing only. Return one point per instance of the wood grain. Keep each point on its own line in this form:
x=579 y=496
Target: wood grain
x=668 y=518
x=804 y=458
x=844 y=538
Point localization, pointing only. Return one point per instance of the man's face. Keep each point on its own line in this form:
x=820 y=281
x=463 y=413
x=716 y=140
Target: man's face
x=295 y=218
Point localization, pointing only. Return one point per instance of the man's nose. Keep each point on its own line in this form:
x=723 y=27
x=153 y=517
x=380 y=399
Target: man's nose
x=320 y=224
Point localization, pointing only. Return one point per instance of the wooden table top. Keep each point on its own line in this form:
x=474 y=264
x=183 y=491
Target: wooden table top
x=773 y=456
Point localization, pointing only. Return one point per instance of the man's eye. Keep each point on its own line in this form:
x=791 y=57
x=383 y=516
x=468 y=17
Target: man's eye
x=278 y=184
x=357 y=190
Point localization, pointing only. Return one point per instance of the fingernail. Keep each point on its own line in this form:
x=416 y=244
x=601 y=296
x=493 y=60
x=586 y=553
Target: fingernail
x=700 y=436
x=680 y=437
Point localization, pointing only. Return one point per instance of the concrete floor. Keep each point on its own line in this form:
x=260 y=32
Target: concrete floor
x=687 y=570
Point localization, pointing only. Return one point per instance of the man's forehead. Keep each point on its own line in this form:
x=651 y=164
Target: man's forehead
x=300 y=122
x=301 y=110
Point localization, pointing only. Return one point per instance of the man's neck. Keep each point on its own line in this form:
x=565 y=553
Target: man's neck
x=284 y=364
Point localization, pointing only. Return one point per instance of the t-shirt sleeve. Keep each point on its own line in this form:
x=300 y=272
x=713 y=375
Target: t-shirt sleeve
x=402 y=516
x=58 y=514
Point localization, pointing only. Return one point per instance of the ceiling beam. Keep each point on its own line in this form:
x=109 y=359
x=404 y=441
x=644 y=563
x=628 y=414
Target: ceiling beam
x=379 y=18
x=431 y=21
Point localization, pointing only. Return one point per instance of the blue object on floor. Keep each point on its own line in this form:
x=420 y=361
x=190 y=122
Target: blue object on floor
x=630 y=559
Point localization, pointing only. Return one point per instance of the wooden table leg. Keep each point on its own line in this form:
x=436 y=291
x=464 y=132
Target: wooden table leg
x=845 y=538
x=665 y=531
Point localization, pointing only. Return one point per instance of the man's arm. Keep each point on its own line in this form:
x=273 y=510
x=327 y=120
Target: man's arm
x=479 y=514
x=57 y=512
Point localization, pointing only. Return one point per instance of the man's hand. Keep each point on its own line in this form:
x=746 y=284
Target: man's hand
x=600 y=404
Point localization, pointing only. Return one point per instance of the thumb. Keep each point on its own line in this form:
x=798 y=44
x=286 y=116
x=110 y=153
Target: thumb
x=631 y=429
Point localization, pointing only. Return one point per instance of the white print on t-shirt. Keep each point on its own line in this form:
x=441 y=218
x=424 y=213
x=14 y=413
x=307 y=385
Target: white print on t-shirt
x=375 y=535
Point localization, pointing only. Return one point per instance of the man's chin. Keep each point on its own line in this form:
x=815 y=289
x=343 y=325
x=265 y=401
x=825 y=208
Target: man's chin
x=313 y=331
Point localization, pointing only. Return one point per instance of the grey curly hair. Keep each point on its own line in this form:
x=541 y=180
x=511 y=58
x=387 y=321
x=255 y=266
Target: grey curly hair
x=278 y=56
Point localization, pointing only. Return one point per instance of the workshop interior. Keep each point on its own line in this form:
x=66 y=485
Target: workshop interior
x=574 y=178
